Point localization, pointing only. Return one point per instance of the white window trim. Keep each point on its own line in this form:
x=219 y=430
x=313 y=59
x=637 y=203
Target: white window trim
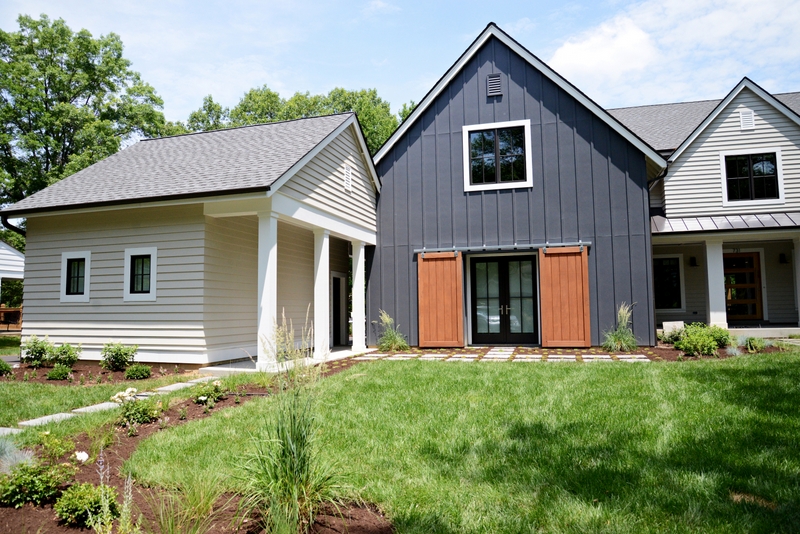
x=744 y=203
x=87 y=257
x=126 y=285
x=528 y=160
x=682 y=309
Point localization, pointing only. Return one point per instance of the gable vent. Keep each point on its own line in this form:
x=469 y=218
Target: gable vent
x=348 y=179
x=747 y=120
x=493 y=85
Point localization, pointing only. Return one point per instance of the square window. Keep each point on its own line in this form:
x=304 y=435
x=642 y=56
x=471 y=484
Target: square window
x=752 y=177
x=497 y=156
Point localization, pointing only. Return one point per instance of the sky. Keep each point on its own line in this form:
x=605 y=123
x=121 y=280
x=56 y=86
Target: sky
x=620 y=53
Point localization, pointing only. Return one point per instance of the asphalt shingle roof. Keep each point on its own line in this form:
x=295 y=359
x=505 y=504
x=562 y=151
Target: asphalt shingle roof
x=250 y=158
x=666 y=126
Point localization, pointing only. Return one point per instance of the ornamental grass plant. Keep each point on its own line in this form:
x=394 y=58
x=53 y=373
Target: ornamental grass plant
x=621 y=339
x=390 y=339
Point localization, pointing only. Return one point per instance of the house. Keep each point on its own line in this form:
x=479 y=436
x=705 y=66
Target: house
x=513 y=209
x=725 y=216
x=12 y=262
x=193 y=246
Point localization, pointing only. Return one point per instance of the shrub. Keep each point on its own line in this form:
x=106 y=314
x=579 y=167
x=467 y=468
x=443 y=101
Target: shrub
x=117 y=357
x=11 y=456
x=66 y=354
x=390 y=339
x=5 y=369
x=59 y=372
x=286 y=479
x=697 y=340
x=754 y=344
x=54 y=447
x=721 y=336
x=139 y=412
x=621 y=339
x=36 y=352
x=672 y=336
x=33 y=483
x=80 y=503
x=209 y=392
x=138 y=371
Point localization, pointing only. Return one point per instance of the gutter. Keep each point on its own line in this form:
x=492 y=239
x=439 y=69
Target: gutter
x=4 y=220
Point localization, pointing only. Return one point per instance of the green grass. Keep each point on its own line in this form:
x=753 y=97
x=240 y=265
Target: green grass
x=9 y=345
x=504 y=447
x=20 y=401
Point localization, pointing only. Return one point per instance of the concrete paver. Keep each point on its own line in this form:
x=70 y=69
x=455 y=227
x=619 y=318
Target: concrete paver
x=103 y=406
x=46 y=419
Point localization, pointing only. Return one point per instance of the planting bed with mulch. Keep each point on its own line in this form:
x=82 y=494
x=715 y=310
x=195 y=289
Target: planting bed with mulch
x=91 y=373
x=356 y=518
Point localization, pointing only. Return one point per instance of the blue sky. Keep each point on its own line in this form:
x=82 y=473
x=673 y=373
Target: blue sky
x=618 y=52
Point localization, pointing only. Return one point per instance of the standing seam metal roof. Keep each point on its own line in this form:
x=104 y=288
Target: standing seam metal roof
x=249 y=158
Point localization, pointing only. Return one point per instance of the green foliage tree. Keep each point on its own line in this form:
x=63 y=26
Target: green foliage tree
x=406 y=110
x=67 y=100
x=262 y=105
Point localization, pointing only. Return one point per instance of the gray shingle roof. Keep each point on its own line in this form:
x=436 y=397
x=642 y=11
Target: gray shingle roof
x=250 y=158
x=666 y=126
x=662 y=225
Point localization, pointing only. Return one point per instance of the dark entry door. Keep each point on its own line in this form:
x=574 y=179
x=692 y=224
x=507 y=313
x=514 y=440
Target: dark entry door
x=504 y=301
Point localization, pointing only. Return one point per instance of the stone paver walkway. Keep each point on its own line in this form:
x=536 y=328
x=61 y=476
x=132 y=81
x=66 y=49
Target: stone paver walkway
x=512 y=354
x=103 y=406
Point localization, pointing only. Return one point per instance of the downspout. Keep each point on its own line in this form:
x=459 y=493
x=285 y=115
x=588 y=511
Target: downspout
x=4 y=220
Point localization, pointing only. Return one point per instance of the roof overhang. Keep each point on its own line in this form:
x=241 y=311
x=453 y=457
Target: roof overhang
x=493 y=31
x=746 y=83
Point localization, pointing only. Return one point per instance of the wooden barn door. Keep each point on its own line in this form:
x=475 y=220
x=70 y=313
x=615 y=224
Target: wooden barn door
x=564 y=281
x=441 y=300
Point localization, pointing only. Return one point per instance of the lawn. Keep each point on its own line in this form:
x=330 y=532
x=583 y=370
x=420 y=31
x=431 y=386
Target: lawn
x=9 y=345
x=707 y=446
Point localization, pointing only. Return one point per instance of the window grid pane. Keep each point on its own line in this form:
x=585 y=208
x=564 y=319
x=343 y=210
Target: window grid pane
x=752 y=176
x=76 y=275
x=497 y=156
x=140 y=274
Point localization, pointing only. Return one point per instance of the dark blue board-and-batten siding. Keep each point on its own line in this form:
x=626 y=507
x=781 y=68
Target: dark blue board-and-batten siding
x=589 y=184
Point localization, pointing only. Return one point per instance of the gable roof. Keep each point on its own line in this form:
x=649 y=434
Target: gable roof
x=256 y=158
x=667 y=126
x=492 y=30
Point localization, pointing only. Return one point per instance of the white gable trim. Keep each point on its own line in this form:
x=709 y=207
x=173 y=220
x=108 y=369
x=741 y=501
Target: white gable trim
x=745 y=83
x=352 y=121
x=493 y=31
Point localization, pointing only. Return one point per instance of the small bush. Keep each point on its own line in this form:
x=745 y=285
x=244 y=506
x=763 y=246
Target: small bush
x=721 y=336
x=697 y=340
x=11 y=456
x=54 y=447
x=117 y=357
x=672 y=336
x=754 y=344
x=80 y=503
x=138 y=371
x=5 y=369
x=66 y=354
x=36 y=352
x=35 y=483
x=139 y=412
x=209 y=392
x=621 y=339
x=59 y=372
x=390 y=339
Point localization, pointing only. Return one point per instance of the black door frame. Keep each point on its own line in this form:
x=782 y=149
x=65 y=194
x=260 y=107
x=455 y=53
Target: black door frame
x=505 y=337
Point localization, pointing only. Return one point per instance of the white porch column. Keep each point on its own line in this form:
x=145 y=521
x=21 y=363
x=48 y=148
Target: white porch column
x=267 y=287
x=322 y=293
x=796 y=262
x=359 y=298
x=715 y=271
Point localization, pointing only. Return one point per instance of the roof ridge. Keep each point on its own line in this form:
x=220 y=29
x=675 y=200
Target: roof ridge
x=717 y=100
x=248 y=126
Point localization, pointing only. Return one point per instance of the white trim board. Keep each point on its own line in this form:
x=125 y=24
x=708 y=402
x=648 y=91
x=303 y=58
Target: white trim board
x=127 y=296
x=493 y=31
x=469 y=128
x=86 y=255
x=745 y=83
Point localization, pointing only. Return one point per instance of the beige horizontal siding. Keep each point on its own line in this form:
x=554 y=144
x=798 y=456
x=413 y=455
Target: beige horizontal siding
x=339 y=255
x=321 y=183
x=230 y=284
x=694 y=184
x=657 y=195
x=171 y=325
x=295 y=276
x=695 y=285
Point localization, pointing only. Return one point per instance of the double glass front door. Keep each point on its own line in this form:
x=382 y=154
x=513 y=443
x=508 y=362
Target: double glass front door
x=504 y=300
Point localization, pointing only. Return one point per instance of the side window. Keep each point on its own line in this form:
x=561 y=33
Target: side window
x=669 y=285
x=751 y=177
x=75 y=276
x=497 y=156
x=140 y=274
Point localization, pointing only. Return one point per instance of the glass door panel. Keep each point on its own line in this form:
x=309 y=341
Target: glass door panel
x=743 y=286
x=504 y=300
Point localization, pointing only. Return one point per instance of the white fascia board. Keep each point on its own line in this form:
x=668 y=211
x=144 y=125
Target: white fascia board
x=317 y=149
x=494 y=31
x=745 y=83
x=290 y=209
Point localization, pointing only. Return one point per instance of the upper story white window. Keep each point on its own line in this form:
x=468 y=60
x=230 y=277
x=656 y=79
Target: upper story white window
x=497 y=156
x=141 y=267
x=76 y=270
x=752 y=177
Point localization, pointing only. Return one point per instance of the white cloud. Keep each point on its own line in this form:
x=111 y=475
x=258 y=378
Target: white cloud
x=379 y=7
x=674 y=50
x=519 y=27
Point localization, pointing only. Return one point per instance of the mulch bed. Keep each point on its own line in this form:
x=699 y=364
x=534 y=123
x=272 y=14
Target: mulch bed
x=87 y=372
x=355 y=518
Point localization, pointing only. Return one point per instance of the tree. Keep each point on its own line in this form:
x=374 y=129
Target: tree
x=406 y=110
x=67 y=100
x=262 y=105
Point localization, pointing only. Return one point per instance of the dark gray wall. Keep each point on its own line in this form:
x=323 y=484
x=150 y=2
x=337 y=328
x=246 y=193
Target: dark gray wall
x=589 y=183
